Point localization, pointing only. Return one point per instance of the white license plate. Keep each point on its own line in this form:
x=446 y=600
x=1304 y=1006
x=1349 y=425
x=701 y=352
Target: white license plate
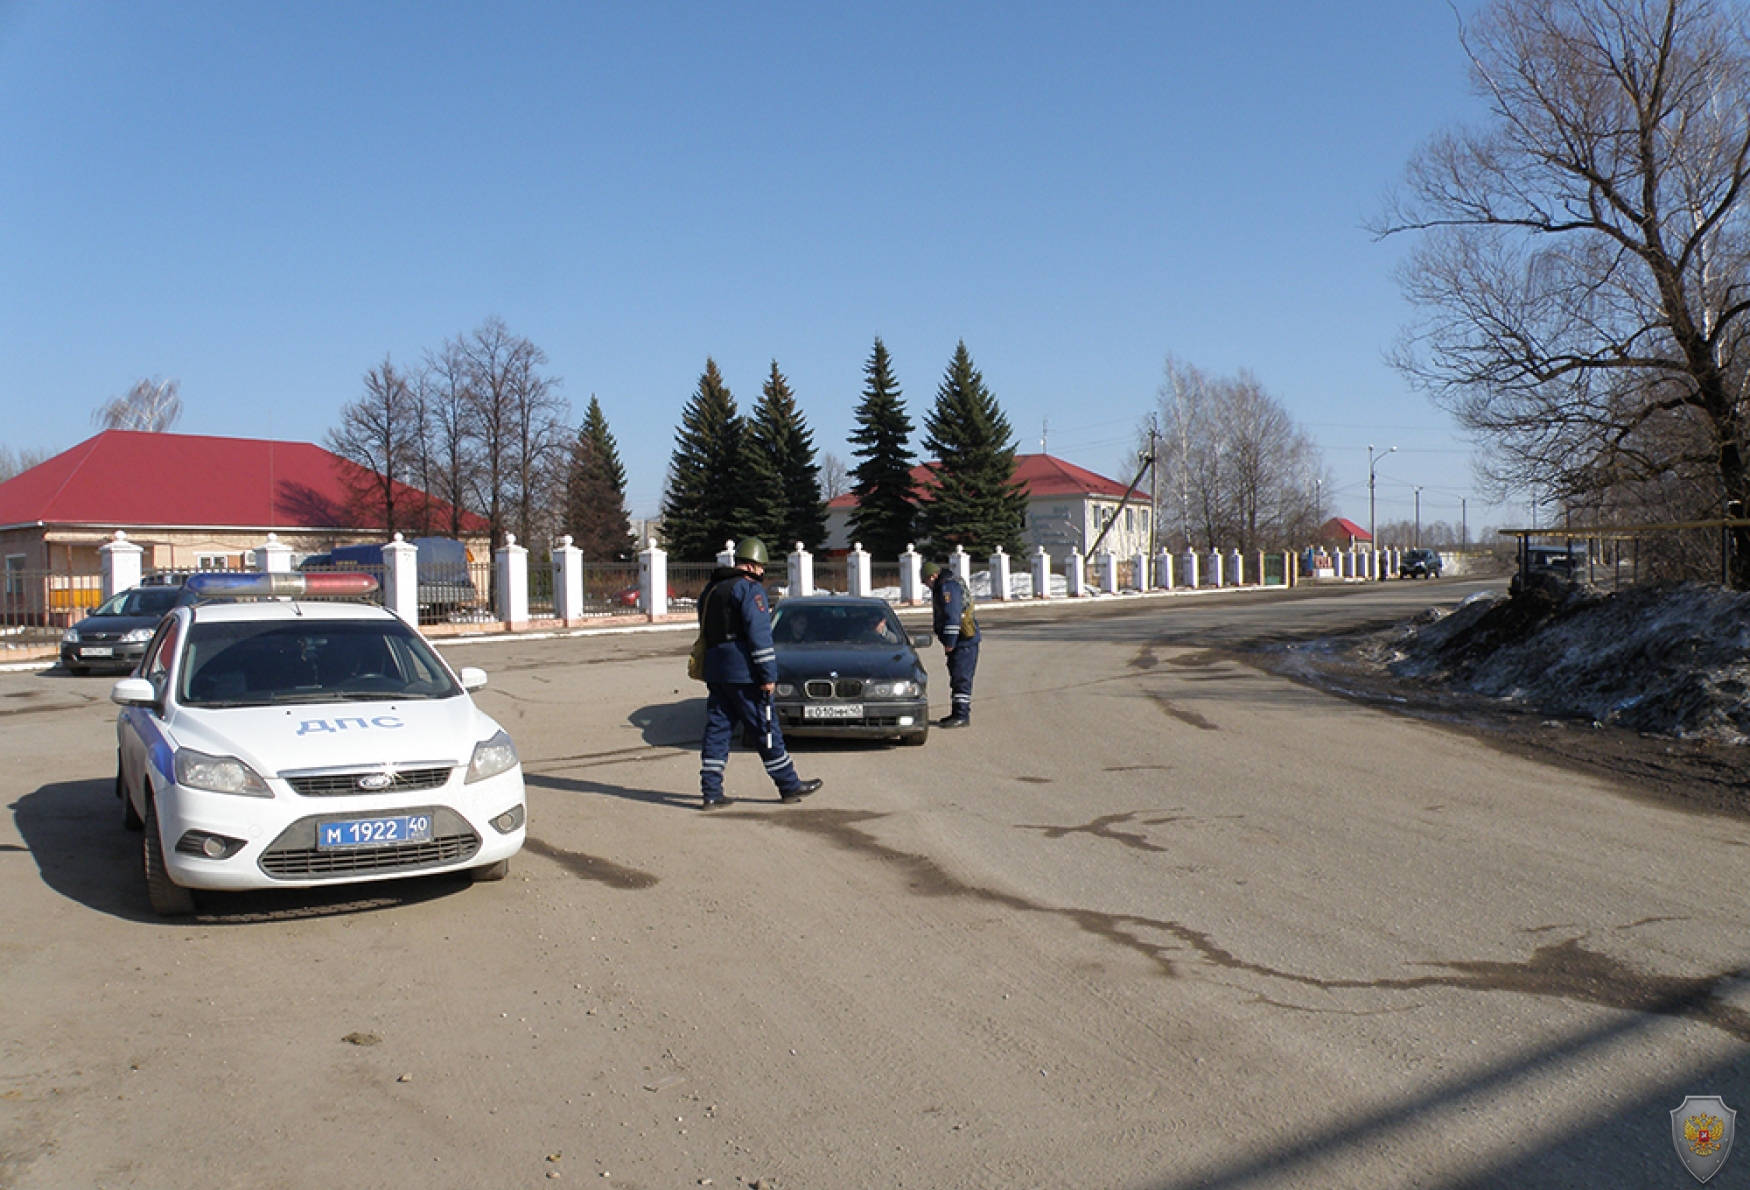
x=837 y=710
x=97 y=651
x=374 y=832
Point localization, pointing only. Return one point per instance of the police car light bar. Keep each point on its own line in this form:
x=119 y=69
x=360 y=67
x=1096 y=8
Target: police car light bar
x=282 y=585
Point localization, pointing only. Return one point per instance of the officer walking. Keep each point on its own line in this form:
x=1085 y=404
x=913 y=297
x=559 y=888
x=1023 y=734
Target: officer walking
x=952 y=618
x=741 y=668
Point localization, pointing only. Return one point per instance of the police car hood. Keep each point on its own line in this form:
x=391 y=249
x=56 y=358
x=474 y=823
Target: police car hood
x=282 y=738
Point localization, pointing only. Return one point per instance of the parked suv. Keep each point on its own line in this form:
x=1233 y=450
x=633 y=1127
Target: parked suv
x=1419 y=564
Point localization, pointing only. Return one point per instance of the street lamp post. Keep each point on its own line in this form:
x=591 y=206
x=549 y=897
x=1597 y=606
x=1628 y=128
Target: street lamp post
x=1417 y=542
x=1372 y=532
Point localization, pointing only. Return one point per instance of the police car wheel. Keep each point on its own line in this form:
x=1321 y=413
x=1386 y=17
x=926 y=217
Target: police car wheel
x=168 y=898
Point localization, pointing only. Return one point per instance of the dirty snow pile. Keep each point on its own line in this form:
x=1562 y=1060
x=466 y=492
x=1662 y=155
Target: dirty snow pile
x=1668 y=659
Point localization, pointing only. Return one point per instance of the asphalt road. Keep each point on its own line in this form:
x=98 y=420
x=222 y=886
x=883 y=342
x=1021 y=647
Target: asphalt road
x=1158 y=919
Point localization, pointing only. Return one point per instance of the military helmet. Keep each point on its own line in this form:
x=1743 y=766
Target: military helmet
x=931 y=570
x=751 y=549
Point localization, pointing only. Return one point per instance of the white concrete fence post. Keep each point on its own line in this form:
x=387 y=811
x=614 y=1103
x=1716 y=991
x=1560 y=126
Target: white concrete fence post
x=911 y=575
x=801 y=572
x=1192 y=575
x=653 y=580
x=960 y=562
x=999 y=574
x=401 y=579
x=857 y=570
x=726 y=556
x=1237 y=563
x=513 y=583
x=567 y=582
x=1215 y=574
x=1139 y=569
x=1164 y=570
x=1107 y=566
x=122 y=561
x=1041 y=574
x=1075 y=574
x=273 y=556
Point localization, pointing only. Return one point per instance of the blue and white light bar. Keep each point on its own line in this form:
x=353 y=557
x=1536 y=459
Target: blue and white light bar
x=281 y=585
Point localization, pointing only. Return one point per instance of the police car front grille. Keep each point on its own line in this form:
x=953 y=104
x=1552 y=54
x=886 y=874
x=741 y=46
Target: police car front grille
x=345 y=784
x=309 y=863
x=842 y=688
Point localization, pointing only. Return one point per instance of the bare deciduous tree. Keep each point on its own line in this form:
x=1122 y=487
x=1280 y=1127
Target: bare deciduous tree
x=379 y=433
x=151 y=405
x=1582 y=256
x=835 y=479
x=517 y=421
x=1235 y=471
x=15 y=462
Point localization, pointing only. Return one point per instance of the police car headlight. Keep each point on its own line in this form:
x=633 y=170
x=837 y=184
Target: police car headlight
x=136 y=636
x=70 y=637
x=492 y=757
x=218 y=774
x=785 y=690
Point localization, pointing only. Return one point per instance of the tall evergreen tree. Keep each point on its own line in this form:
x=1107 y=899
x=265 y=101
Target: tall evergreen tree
x=973 y=500
x=703 y=506
x=780 y=468
x=595 y=493
x=886 y=502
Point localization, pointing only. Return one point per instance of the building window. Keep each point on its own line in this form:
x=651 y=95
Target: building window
x=15 y=574
x=212 y=562
x=1130 y=520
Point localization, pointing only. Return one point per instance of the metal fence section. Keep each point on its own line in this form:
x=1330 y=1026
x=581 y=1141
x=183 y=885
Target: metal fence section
x=1612 y=556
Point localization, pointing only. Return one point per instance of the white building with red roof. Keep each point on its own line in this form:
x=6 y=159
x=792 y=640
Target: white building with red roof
x=192 y=502
x=1067 y=506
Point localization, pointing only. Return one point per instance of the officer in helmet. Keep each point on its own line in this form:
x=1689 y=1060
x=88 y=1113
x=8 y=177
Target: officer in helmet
x=741 y=668
x=957 y=628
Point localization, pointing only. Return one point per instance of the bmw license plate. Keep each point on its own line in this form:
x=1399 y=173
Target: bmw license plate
x=374 y=832
x=837 y=710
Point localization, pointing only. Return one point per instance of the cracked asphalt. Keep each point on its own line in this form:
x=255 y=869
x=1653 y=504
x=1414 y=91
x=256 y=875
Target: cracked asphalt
x=1161 y=918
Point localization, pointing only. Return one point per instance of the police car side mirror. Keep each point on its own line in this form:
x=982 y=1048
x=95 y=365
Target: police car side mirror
x=473 y=678
x=134 y=692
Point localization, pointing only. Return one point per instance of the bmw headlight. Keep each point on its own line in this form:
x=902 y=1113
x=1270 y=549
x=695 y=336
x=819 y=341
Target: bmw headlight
x=785 y=690
x=492 y=757
x=894 y=690
x=218 y=774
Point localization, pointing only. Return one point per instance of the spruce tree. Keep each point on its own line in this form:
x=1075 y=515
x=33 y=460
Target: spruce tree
x=595 y=493
x=886 y=502
x=703 y=506
x=781 y=472
x=973 y=500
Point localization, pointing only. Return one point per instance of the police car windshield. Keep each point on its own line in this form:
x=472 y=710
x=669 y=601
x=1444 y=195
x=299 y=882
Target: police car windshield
x=244 y=663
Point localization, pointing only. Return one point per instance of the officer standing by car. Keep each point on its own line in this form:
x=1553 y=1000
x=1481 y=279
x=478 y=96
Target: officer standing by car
x=741 y=667
x=951 y=616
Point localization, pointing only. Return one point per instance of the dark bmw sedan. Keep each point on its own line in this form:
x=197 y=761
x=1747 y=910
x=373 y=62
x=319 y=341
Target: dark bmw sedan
x=847 y=667
x=115 y=634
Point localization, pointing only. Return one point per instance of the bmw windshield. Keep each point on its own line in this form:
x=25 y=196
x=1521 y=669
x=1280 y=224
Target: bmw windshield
x=231 y=663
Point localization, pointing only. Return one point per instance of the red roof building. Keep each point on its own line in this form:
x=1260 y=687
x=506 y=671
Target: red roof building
x=1341 y=533
x=1067 y=506
x=193 y=501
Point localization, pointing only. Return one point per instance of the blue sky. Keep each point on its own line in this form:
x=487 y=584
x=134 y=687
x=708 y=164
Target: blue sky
x=264 y=200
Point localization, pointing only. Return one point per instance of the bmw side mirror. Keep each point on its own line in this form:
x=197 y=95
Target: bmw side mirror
x=920 y=640
x=473 y=678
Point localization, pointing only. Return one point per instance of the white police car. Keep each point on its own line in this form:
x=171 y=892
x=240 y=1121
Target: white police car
x=287 y=742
